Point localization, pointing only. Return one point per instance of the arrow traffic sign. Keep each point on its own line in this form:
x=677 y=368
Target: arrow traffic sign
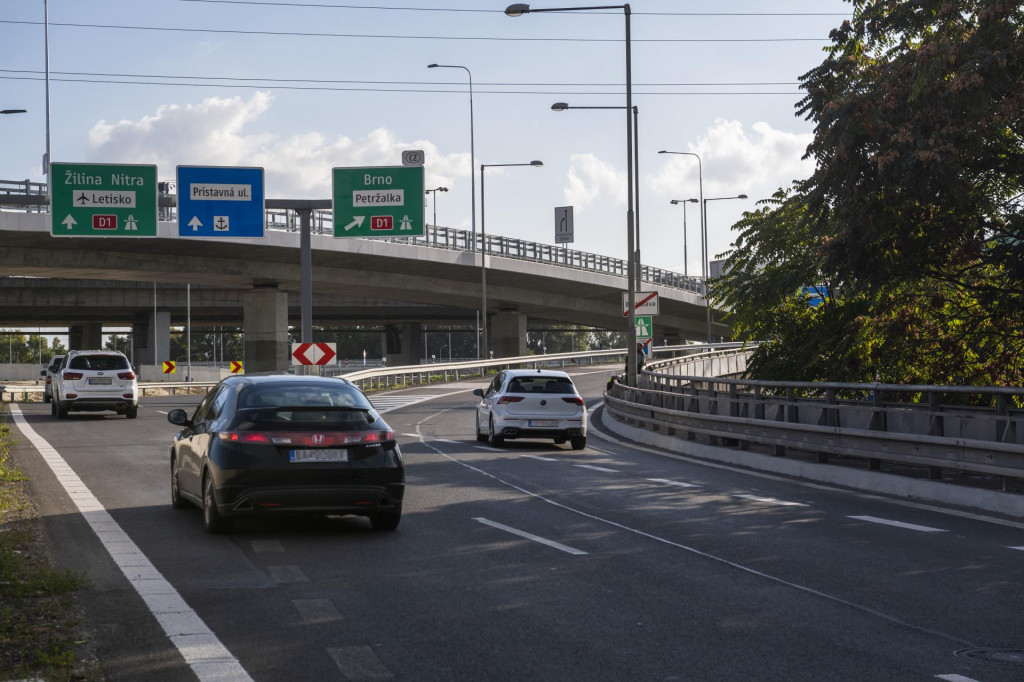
x=314 y=353
x=380 y=201
x=168 y=366
x=236 y=367
x=103 y=200
x=220 y=201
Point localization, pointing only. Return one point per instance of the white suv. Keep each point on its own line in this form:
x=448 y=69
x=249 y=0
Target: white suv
x=95 y=380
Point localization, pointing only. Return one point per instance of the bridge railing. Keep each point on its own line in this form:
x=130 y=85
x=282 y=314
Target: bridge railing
x=34 y=194
x=974 y=429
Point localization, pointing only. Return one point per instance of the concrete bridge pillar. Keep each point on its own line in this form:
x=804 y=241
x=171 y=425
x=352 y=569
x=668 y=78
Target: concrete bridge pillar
x=403 y=345
x=508 y=334
x=265 y=315
x=150 y=329
x=88 y=336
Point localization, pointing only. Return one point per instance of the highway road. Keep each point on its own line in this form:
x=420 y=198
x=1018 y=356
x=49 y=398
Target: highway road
x=529 y=562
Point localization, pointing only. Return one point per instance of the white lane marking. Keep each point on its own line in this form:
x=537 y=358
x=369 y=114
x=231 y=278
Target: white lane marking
x=543 y=459
x=693 y=550
x=596 y=468
x=603 y=435
x=679 y=484
x=287 y=574
x=956 y=678
x=771 y=500
x=442 y=440
x=203 y=652
x=484 y=447
x=266 y=546
x=359 y=664
x=386 y=403
x=411 y=435
x=898 y=524
x=1020 y=548
x=530 y=536
x=316 y=610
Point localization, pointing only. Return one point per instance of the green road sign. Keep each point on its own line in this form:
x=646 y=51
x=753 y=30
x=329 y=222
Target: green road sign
x=644 y=327
x=382 y=201
x=102 y=200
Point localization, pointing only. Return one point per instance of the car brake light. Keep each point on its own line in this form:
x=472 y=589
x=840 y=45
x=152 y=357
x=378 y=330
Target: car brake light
x=244 y=437
x=575 y=401
x=72 y=376
x=48 y=380
x=127 y=376
x=506 y=399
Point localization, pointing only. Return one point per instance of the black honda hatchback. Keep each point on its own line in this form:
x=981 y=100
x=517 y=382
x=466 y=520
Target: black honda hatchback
x=266 y=445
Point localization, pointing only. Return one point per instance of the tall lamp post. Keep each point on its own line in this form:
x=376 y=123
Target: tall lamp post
x=707 y=263
x=434 y=192
x=483 y=252
x=518 y=9
x=686 y=255
x=472 y=150
x=634 y=265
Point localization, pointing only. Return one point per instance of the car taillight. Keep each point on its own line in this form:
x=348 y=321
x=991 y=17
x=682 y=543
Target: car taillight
x=127 y=376
x=49 y=380
x=244 y=437
x=575 y=401
x=506 y=399
x=72 y=376
x=314 y=439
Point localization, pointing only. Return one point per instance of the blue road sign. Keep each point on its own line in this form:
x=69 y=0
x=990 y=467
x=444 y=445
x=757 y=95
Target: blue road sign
x=220 y=201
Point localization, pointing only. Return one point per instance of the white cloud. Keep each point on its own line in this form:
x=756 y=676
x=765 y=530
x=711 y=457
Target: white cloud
x=589 y=179
x=214 y=133
x=735 y=161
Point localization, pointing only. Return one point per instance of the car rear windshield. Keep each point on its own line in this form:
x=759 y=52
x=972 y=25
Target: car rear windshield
x=302 y=396
x=100 y=362
x=541 y=384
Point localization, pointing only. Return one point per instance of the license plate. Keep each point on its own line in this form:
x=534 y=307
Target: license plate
x=544 y=423
x=323 y=455
x=105 y=381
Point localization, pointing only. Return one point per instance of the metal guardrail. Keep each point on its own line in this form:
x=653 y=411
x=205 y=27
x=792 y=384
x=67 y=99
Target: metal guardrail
x=435 y=237
x=972 y=429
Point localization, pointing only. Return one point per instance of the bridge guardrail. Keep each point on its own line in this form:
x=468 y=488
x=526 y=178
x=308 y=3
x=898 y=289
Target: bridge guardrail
x=939 y=427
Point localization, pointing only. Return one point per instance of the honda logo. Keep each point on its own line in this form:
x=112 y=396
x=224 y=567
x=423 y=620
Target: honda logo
x=318 y=439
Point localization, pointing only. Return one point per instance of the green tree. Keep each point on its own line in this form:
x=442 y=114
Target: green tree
x=914 y=217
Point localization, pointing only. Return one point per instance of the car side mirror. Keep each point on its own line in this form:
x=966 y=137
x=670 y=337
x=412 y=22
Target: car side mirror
x=43 y=373
x=178 y=417
x=478 y=392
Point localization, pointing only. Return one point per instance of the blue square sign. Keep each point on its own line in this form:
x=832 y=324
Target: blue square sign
x=220 y=201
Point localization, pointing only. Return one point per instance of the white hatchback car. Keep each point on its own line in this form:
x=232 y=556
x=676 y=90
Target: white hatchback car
x=531 y=403
x=95 y=380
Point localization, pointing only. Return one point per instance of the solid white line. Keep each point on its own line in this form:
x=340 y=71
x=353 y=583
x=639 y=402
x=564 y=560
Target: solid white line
x=530 y=536
x=771 y=500
x=679 y=484
x=596 y=468
x=484 y=447
x=543 y=459
x=1020 y=548
x=898 y=524
x=203 y=652
x=956 y=678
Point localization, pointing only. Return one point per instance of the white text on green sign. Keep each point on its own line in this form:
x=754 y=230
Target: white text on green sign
x=383 y=201
x=103 y=200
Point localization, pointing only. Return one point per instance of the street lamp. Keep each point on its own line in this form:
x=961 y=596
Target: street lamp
x=686 y=255
x=634 y=265
x=483 y=252
x=707 y=264
x=434 y=192
x=472 y=152
x=519 y=9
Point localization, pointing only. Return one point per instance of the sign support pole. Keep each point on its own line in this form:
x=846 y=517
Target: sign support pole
x=306 y=264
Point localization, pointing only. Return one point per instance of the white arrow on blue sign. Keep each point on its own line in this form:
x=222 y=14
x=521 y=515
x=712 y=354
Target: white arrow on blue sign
x=220 y=201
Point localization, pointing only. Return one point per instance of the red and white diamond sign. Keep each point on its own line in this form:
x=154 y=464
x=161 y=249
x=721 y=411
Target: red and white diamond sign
x=314 y=353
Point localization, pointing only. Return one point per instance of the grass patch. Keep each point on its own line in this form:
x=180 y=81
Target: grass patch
x=38 y=625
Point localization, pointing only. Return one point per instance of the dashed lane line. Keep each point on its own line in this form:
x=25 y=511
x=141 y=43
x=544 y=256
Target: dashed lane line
x=531 y=536
x=202 y=650
x=898 y=524
x=771 y=500
x=597 y=468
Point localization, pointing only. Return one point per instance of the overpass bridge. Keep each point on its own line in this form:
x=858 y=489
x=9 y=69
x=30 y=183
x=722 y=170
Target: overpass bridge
x=89 y=282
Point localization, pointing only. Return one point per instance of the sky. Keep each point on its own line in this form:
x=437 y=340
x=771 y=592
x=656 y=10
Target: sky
x=299 y=87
